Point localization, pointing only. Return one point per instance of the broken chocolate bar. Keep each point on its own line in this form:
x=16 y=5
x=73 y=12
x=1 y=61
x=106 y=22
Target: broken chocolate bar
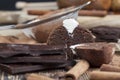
x=106 y=33
x=56 y=59
x=23 y=68
x=8 y=50
x=19 y=58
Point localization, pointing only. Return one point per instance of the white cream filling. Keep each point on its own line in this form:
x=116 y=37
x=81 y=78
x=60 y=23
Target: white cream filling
x=70 y=25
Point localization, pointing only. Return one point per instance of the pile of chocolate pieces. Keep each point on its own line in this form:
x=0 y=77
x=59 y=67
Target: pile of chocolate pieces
x=22 y=58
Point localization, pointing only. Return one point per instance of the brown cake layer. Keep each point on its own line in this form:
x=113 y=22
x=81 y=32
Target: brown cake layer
x=96 y=53
x=60 y=36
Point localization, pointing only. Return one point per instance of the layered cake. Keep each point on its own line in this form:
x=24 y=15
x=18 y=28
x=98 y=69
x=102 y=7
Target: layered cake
x=95 y=53
x=106 y=33
x=70 y=33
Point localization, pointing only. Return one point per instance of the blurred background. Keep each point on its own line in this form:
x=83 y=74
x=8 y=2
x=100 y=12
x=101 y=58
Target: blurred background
x=10 y=4
x=98 y=13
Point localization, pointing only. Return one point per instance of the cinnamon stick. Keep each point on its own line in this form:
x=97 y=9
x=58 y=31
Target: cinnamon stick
x=96 y=4
x=100 y=13
x=110 y=68
x=115 y=6
x=97 y=75
x=80 y=68
x=37 y=77
x=38 y=12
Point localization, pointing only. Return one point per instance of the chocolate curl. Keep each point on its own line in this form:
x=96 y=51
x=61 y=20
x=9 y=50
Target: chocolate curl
x=38 y=12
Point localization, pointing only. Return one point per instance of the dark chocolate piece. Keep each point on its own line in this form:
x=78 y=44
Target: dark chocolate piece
x=23 y=68
x=8 y=50
x=58 y=59
x=106 y=33
x=6 y=54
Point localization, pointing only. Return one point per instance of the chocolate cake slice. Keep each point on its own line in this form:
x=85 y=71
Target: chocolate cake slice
x=95 y=53
x=70 y=33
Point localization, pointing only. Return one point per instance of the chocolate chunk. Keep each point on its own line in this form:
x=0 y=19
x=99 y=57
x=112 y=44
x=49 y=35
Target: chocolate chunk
x=23 y=68
x=56 y=59
x=96 y=53
x=106 y=33
x=8 y=50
